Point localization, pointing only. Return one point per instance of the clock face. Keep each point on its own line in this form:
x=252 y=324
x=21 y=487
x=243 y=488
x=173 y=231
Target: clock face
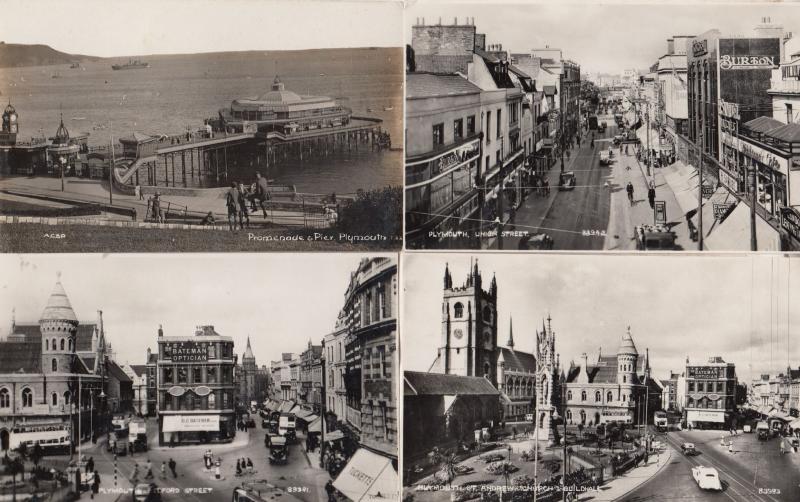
x=458 y=334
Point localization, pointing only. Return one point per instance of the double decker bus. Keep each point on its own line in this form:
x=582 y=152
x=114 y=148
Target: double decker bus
x=660 y=421
x=52 y=438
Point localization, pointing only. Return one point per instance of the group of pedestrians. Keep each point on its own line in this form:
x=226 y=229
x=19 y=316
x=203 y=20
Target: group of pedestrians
x=148 y=470
x=244 y=466
x=237 y=198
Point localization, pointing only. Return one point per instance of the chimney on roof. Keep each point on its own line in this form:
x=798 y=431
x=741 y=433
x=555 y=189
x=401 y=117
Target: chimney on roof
x=670 y=46
x=160 y=331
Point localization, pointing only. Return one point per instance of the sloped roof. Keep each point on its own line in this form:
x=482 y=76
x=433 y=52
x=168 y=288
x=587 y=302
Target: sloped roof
x=626 y=345
x=604 y=371
x=763 y=124
x=436 y=384
x=21 y=357
x=488 y=56
x=786 y=132
x=518 y=72
x=115 y=371
x=428 y=85
x=139 y=369
x=437 y=63
x=518 y=360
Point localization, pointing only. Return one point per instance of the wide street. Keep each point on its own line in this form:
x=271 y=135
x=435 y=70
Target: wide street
x=301 y=477
x=755 y=471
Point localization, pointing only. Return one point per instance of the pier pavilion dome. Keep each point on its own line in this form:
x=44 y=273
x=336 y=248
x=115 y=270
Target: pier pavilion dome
x=62 y=135
x=279 y=94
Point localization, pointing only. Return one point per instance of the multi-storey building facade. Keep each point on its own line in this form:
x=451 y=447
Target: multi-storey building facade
x=196 y=388
x=310 y=380
x=334 y=351
x=710 y=394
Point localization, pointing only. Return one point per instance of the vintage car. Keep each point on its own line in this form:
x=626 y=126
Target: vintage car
x=539 y=241
x=278 y=450
x=707 y=478
x=689 y=450
x=606 y=158
x=654 y=237
x=566 y=180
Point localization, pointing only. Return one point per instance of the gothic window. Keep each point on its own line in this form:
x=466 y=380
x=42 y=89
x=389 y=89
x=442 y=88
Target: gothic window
x=66 y=398
x=54 y=365
x=62 y=344
x=583 y=417
x=583 y=395
x=597 y=396
x=569 y=395
x=569 y=415
x=5 y=400
x=623 y=398
x=487 y=314
x=458 y=310
x=69 y=344
x=609 y=397
x=485 y=369
x=624 y=379
x=54 y=399
x=27 y=398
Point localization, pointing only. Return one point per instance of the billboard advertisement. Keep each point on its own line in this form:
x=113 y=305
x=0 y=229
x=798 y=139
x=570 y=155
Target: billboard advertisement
x=745 y=68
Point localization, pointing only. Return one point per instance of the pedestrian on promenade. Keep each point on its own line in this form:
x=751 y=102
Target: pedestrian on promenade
x=546 y=187
x=163 y=470
x=216 y=472
x=135 y=474
x=238 y=467
x=90 y=464
x=262 y=193
x=172 y=466
x=591 y=144
x=232 y=203
x=208 y=219
x=249 y=466
x=244 y=215
x=651 y=194
x=329 y=489
x=730 y=447
x=629 y=189
x=148 y=468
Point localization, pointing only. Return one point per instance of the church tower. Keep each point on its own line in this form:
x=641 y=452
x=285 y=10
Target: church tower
x=469 y=327
x=548 y=383
x=59 y=328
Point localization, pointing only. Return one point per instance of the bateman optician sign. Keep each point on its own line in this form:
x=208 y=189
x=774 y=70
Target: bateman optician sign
x=185 y=352
x=187 y=423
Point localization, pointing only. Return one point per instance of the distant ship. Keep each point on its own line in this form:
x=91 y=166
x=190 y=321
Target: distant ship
x=134 y=64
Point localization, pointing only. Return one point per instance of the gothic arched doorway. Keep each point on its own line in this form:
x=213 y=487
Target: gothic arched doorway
x=4 y=440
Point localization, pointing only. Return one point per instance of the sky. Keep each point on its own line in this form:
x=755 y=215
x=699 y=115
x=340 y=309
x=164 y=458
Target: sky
x=279 y=300
x=733 y=306
x=142 y=27
x=607 y=38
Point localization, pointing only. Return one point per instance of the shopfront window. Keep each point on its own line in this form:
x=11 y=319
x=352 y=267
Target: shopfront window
x=458 y=129
x=441 y=193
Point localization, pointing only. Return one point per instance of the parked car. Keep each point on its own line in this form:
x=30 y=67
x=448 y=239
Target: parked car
x=707 y=478
x=566 y=180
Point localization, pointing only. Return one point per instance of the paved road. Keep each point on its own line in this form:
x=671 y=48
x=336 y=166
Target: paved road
x=777 y=478
x=586 y=207
x=304 y=480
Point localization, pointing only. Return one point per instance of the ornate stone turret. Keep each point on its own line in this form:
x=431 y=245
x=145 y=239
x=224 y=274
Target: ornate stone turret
x=548 y=385
x=627 y=356
x=448 y=279
x=510 y=342
x=59 y=327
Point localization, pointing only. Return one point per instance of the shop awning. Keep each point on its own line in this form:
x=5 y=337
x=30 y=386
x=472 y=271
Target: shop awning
x=301 y=413
x=733 y=234
x=315 y=425
x=710 y=223
x=682 y=180
x=334 y=436
x=368 y=476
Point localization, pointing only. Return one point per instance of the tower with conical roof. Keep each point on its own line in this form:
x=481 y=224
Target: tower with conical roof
x=627 y=357
x=59 y=327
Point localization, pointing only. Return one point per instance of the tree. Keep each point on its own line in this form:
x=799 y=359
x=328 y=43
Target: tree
x=448 y=463
x=580 y=430
x=15 y=466
x=373 y=213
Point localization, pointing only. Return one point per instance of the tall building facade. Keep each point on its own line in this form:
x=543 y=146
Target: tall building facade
x=710 y=394
x=196 y=388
